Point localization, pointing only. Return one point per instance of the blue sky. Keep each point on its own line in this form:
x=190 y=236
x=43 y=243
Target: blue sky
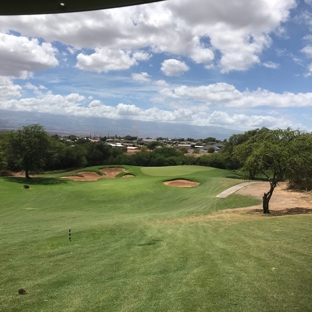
x=235 y=64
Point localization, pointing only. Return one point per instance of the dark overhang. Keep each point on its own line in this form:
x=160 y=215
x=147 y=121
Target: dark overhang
x=26 y=7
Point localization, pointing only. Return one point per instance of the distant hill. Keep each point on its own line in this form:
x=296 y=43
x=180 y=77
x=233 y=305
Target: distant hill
x=68 y=124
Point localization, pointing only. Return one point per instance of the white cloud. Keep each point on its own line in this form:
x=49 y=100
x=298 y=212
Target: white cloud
x=309 y=73
x=307 y=38
x=304 y=17
x=239 y=30
x=20 y=55
x=307 y=50
x=30 y=86
x=104 y=60
x=8 y=89
x=141 y=56
x=74 y=97
x=143 y=77
x=242 y=121
x=71 y=50
x=161 y=83
x=173 y=67
x=227 y=95
x=309 y=2
x=75 y=104
x=271 y=65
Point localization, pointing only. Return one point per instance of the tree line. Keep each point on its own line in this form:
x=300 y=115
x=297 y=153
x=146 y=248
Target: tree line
x=273 y=155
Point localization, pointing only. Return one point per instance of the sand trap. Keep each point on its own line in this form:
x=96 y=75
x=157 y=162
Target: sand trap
x=93 y=176
x=128 y=175
x=111 y=172
x=87 y=176
x=181 y=183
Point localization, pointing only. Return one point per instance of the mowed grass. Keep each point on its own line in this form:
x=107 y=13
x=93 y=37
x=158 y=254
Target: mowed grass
x=138 y=245
x=173 y=171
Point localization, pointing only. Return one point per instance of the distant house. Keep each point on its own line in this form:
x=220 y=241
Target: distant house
x=115 y=144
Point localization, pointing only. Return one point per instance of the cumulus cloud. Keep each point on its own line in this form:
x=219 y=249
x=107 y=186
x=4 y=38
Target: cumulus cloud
x=8 y=89
x=104 y=60
x=161 y=83
x=219 y=118
x=75 y=104
x=178 y=27
x=227 y=95
x=142 y=77
x=222 y=95
x=21 y=55
x=30 y=86
x=173 y=67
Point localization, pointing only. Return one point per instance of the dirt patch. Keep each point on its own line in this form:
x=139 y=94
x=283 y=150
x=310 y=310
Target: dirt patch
x=283 y=201
x=128 y=175
x=19 y=174
x=93 y=176
x=181 y=183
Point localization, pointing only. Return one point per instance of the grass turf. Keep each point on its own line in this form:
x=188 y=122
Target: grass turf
x=138 y=245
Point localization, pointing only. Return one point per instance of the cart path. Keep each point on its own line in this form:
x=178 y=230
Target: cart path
x=233 y=189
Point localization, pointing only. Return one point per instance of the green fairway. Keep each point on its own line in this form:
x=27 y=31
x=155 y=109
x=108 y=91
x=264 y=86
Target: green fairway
x=139 y=245
x=173 y=170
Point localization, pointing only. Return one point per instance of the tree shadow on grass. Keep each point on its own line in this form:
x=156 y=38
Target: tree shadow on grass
x=36 y=181
x=287 y=211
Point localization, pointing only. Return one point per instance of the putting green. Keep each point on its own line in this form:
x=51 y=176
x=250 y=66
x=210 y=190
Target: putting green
x=172 y=171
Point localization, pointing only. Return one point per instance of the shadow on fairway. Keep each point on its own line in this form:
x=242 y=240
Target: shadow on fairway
x=36 y=181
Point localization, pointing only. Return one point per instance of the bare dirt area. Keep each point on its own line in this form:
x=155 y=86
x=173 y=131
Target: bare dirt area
x=283 y=200
x=93 y=176
x=181 y=183
x=19 y=174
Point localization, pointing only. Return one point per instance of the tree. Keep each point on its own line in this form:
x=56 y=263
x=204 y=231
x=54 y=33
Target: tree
x=3 y=162
x=300 y=171
x=28 y=147
x=210 y=140
x=227 y=151
x=211 y=150
x=152 y=145
x=183 y=150
x=269 y=153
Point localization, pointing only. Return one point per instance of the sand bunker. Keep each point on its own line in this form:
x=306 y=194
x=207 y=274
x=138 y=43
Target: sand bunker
x=111 y=172
x=181 y=183
x=128 y=175
x=93 y=176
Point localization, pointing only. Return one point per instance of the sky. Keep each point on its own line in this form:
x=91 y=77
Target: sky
x=236 y=64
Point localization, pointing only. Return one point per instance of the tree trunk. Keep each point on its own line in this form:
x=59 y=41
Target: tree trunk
x=265 y=203
x=27 y=174
x=267 y=196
